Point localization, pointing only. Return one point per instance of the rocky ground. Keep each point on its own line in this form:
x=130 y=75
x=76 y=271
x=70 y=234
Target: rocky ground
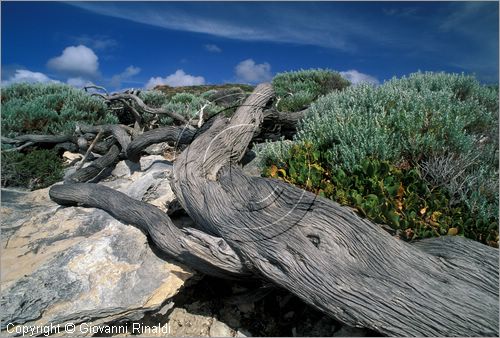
x=79 y=265
x=214 y=307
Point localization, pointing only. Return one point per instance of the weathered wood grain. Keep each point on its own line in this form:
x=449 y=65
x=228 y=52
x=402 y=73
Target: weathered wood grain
x=97 y=166
x=327 y=255
x=173 y=134
x=208 y=254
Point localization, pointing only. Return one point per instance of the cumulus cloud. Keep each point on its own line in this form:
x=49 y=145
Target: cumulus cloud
x=356 y=77
x=249 y=71
x=76 y=61
x=213 y=48
x=78 y=82
x=24 y=75
x=130 y=71
x=179 y=78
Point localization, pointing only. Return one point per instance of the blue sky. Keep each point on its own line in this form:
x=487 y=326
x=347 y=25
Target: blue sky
x=140 y=44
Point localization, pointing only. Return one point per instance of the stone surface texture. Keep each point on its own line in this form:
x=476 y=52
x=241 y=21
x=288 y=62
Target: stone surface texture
x=75 y=264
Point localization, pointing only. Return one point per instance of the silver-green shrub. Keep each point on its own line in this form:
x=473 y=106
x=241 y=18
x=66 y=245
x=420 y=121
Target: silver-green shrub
x=153 y=98
x=410 y=119
x=272 y=152
x=296 y=90
x=189 y=106
x=436 y=121
x=49 y=109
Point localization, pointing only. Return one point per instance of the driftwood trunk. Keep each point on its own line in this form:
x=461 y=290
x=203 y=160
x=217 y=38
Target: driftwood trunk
x=326 y=254
x=175 y=135
x=330 y=257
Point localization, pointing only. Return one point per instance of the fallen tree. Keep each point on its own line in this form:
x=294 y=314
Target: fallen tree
x=326 y=254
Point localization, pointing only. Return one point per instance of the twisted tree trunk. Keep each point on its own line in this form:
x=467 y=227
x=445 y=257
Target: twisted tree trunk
x=334 y=260
x=176 y=135
x=327 y=255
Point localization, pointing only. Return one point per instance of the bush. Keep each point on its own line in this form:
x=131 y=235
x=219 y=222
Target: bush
x=443 y=127
x=187 y=105
x=153 y=98
x=386 y=194
x=296 y=90
x=34 y=170
x=49 y=109
x=52 y=109
x=225 y=97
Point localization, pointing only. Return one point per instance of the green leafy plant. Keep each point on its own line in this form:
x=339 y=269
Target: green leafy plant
x=395 y=196
x=36 y=169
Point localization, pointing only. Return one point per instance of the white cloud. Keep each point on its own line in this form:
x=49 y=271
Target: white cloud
x=77 y=82
x=213 y=48
x=24 y=75
x=77 y=61
x=97 y=42
x=179 y=78
x=356 y=77
x=267 y=22
x=130 y=71
x=249 y=71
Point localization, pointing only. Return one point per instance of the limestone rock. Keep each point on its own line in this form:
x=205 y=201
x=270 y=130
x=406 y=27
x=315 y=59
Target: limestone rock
x=219 y=329
x=71 y=158
x=74 y=264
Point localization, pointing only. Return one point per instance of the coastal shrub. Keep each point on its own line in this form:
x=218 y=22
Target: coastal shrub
x=52 y=109
x=443 y=127
x=188 y=105
x=154 y=98
x=36 y=169
x=397 y=197
x=49 y=109
x=296 y=90
x=225 y=97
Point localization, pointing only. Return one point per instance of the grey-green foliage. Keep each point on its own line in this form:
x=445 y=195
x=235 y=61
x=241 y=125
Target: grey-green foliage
x=403 y=119
x=296 y=90
x=49 y=109
x=228 y=97
x=272 y=152
x=153 y=98
x=188 y=105
x=416 y=119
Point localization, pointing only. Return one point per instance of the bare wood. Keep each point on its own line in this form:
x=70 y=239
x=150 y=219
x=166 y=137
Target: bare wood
x=21 y=147
x=103 y=146
x=278 y=124
x=142 y=106
x=8 y=140
x=173 y=134
x=118 y=131
x=95 y=168
x=206 y=253
x=327 y=255
x=96 y=87
x=44 y=138
x=89 y=150
x=137 y=116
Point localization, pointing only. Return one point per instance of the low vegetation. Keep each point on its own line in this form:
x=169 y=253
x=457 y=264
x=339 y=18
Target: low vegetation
x=201 y=89
x=51 y=109
x=297 y=90
x=418 y=153
x=36 y=169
